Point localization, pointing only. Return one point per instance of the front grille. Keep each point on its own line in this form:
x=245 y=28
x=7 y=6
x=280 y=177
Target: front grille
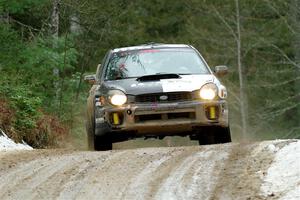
x=143 y=118
x=171 y=97
x=165 y=116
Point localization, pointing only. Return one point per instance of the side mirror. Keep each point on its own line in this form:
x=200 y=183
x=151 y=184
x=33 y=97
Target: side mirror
x=91 y=79
x=221 y=70
x=98 y=68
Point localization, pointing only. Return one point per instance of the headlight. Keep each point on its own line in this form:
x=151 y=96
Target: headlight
x=208 y=91
x=117 y=97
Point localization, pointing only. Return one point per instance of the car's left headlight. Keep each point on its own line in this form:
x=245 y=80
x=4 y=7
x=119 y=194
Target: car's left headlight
x=117 y=97
x=208 y=91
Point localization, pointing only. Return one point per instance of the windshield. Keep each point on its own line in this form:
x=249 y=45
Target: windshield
x=133 y=64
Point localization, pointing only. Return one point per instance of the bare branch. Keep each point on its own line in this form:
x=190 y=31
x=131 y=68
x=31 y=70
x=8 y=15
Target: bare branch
x=276 y=113
x=24 y=25
x=282 y=17
x=281 y=83
x=225 y=23
x=285 y=56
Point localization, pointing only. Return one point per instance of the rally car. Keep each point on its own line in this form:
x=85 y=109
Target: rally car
x=156 y=90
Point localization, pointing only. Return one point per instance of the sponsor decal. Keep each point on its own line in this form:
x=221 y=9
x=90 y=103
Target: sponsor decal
x=185 y=84
x=177 y=85
x=154 y=106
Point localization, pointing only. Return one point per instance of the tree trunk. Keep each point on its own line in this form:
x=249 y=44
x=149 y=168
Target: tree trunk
x=54 y=28
x=243 y=96
x=74 y=25
x=295 y=19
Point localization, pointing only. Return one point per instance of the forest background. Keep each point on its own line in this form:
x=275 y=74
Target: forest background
x=47 y=46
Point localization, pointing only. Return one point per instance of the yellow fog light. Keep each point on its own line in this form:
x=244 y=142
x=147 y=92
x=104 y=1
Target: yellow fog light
x=212 y=112
x=116 y=119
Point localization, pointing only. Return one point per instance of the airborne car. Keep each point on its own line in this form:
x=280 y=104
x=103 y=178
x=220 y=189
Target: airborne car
x=156 y=90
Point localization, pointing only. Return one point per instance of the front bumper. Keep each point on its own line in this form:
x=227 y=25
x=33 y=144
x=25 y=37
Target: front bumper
x=161 y=118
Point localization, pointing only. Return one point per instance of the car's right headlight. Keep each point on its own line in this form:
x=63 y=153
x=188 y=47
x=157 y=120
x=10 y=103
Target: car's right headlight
x=117 y=97
x=208 y=91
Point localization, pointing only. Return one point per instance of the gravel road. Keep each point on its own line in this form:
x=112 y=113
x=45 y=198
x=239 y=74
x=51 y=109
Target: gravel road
x=230 y=171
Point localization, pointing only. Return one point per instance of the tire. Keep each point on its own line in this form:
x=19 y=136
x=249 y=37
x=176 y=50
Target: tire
x=223 y=135
x=97 y=143
x=206 y=139
x=102 y=143
x=90 y=136
x=215 y=135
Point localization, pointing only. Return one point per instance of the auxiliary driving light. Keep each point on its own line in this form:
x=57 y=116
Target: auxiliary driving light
x=116 y=119
x=212 y=112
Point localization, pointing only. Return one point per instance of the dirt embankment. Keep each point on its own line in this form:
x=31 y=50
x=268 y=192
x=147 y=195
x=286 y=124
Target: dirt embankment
x=230 y=171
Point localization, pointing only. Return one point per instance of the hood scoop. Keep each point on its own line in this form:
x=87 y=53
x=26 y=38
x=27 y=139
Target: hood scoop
x=156 y=77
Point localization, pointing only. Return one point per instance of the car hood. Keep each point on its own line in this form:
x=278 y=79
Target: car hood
x=186 y=83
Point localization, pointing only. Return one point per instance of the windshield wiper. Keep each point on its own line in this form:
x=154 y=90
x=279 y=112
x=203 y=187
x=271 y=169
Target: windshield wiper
x=186 y=74
x=157 y=76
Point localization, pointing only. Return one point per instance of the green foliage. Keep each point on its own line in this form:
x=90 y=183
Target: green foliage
x=10 y=46
x=161 y=18
x=27 y=79
x=48 y=53
x=40 y=58
x=26 y=106
x=16 y=6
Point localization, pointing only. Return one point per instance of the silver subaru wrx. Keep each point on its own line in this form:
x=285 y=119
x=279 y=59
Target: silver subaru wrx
x=156 y=90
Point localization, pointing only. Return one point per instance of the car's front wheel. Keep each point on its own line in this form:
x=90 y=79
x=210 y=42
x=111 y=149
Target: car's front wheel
x=215 y=135
x=98 y=143
x=102 y=143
